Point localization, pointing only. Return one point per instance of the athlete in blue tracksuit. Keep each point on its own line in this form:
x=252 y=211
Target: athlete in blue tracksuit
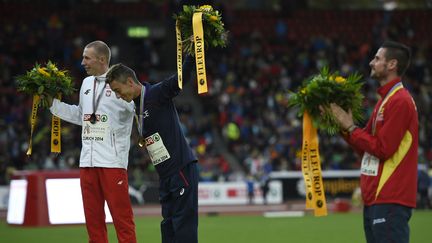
x=160 y=130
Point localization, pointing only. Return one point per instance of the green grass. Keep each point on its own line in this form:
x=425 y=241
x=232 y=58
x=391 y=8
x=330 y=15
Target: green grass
x=335 y=228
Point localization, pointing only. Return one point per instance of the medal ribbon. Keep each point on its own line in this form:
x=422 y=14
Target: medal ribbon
x=366 y=156
x=96 y=100
x=392 y=91
x=56 y=132
x=199 y=52
x=311 y=169
x=140 y=120
x=33 y=118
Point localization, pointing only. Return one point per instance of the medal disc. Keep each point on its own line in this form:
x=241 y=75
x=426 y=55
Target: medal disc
x=93 y=118
x=141 y=142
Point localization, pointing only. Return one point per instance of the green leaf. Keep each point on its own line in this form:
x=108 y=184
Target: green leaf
x=41 y=90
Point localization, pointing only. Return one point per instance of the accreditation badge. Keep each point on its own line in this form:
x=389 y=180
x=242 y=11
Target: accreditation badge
x=95 y=131
x=158 y=153
x=369 y=165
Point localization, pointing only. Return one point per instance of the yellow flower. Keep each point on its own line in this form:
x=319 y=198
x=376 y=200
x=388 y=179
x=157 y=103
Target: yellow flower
x=51 y=66
x=340 y=79
x=44 y=72
x=303 y=91
x=207 y=8
x=213 y=18
x=60 y=74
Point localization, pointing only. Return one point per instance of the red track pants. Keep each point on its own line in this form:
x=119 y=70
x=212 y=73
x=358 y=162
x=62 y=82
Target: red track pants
x=111 y=185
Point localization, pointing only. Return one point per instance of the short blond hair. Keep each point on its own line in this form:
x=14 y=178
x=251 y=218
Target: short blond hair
x=101 y=48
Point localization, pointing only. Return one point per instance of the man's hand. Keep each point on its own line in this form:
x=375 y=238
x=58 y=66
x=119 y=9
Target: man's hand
x=48 y=98
x=344 y=118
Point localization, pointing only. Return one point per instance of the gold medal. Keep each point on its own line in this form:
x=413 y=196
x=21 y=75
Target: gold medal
x=141 y=142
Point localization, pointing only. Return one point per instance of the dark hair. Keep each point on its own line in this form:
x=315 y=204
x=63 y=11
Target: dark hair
x=120 y=73
x=400 y=52
x=101 y=49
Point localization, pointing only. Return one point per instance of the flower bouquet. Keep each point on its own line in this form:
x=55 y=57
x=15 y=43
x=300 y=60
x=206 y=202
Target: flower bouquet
x=42 y=83
x=326 y=88
x=45 y=82
x=198 y=28
x=215 y=34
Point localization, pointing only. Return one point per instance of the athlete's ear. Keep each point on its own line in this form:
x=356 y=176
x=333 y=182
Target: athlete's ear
x=130 y=81
x=102 y=59
x=392 y=64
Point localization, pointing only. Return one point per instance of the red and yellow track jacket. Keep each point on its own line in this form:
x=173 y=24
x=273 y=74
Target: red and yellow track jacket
x=391 y=135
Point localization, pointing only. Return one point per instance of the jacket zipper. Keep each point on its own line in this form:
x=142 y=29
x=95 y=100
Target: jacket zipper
x=114 y=144
x=91 y=153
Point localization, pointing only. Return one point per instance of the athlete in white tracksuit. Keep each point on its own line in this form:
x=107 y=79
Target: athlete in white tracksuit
x=108 y=146
x=106 y=128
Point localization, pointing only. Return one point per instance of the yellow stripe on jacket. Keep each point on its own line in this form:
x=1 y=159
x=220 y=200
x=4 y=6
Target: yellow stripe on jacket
x=392 y=163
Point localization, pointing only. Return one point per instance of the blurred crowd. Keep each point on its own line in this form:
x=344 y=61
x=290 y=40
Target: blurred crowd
x=244 y=125
x=251 y=81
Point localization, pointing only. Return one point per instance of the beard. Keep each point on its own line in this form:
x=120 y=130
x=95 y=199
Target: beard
x=378 y=75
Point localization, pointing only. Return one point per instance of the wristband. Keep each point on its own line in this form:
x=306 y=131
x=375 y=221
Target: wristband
x=351 y=128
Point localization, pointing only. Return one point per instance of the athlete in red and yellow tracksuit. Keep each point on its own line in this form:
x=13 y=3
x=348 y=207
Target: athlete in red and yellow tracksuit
x=388 y=178
x=395 y=144
x=388 y=146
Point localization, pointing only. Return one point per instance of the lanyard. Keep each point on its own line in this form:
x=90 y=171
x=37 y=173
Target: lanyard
x=392 y=91
x=93 y=118
x=96 y=100
x=140 y=120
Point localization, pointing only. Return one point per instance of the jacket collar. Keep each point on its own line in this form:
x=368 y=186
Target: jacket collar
x=102 y=77
x=383 y=90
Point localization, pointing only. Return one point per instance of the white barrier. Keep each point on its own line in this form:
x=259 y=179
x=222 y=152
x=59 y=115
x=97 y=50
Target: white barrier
x=63 y=196
x=65 y=204
x=231 y=193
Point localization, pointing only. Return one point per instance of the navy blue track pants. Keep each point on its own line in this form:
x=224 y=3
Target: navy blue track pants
x=178 y=195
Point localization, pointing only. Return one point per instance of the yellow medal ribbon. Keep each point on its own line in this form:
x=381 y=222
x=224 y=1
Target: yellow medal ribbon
x=33 y=118
x=392 y=91
x=56 y=133
x=179 y=55
x=311 y=169
x=199 y=52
